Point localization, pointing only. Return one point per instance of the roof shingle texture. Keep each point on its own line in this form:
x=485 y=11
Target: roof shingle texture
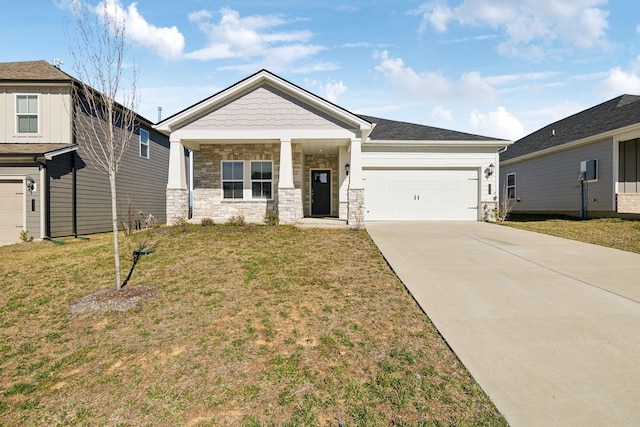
x=31 y=71
x=608 y=116
x=391 y=130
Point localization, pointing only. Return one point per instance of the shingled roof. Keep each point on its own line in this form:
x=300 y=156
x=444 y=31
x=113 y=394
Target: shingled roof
x=391 y=130
x=35 y=71
x=610 y=115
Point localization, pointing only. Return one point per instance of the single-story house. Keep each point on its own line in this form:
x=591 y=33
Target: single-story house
x=49 y=186
x=265 y=145
x=585 y=164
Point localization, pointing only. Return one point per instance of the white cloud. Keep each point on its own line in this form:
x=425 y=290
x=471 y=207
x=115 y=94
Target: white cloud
x=432 y=84
x=529 y=25
x=619 y=82
x=167 y=42
x=499 y=123
x=330 y=90
x=252 y=38
x=439 y=112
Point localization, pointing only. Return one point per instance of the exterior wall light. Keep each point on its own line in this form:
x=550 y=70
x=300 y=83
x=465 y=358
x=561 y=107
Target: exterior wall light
x=30 y=183
x=346 y=168
x=489 y=170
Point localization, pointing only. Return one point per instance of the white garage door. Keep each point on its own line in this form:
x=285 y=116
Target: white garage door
x=421 y=195
x=11 y=211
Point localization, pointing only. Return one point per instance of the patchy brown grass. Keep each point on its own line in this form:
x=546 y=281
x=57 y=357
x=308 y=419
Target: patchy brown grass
x=251 y=326
x=611 y=232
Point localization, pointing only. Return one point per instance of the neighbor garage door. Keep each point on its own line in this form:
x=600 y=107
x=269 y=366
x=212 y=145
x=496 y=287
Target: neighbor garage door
x=421 y=194
x=11 y=211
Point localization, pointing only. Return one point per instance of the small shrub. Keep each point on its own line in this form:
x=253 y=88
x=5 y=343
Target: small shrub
x=271 y=218
x=236 y=221
x=180 y=224
x=207 y=222
x=24 y=236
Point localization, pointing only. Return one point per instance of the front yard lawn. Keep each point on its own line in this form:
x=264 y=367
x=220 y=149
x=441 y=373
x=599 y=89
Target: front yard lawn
x=250 y=326
x=611 y=232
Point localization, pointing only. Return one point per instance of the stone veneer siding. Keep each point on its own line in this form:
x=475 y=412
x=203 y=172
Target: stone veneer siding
x=177 y=205
x=629 y=203
x=355 y=217
x=207 y=193
x=321 y=161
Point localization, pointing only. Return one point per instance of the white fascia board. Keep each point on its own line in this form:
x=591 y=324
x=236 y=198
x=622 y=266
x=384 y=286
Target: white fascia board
x=203 y=135
x=439 y=143
x=51 y=154
x=191 y=113
x=619 y=134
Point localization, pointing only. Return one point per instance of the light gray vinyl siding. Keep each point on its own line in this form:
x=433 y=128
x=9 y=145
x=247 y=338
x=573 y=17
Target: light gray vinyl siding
x=33 y=216
x=550 y=183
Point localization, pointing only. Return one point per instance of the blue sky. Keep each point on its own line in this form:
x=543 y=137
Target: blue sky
x=501 y=68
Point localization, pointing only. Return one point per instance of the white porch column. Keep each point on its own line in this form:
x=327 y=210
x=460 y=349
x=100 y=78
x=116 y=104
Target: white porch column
x=177 y=174
x=285 y=180
x=355 y=215
x=355 y=163
x=177 y=191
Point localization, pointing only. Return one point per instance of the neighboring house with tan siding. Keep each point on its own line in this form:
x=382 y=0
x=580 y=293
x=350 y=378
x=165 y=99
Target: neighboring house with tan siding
x=48 y=184
x=585 y=165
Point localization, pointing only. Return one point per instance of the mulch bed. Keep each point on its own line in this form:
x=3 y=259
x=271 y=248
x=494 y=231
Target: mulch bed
x=112 y=299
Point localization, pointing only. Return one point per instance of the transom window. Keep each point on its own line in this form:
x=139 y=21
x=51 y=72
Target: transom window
x=27 y=113
x=261 y=180
x=144 y=143
x=511 y=186
x=232 y=180
x=258 y=177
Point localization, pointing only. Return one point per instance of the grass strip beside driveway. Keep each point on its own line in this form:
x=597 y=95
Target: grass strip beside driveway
x=251 y=326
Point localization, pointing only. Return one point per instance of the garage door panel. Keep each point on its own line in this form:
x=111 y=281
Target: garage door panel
x=421 y=195
x=11 y=211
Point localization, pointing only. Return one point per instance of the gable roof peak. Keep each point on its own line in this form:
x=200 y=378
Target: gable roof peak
x=627 y=99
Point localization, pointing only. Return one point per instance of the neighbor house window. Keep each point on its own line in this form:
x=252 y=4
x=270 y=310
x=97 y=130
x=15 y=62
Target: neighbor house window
x=511 y=186
x=144 y=143
x=232 y=179
x=27 y=113
x=261 y=173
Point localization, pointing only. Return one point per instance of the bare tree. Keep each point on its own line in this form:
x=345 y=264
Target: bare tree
x=98 y=50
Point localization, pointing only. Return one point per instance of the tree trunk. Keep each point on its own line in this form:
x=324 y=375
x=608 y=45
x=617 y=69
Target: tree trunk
x=114 y=221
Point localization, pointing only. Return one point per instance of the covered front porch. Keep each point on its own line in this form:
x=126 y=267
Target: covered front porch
x=266 y=146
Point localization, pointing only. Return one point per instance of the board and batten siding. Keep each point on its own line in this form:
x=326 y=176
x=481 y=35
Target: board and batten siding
x=31 y=199
x=54 y=115
x=550 y=183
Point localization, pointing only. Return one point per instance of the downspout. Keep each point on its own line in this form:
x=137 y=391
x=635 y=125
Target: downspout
x=74 y=197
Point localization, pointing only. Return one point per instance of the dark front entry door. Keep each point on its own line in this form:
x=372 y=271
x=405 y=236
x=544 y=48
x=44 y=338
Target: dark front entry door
x=320 y=192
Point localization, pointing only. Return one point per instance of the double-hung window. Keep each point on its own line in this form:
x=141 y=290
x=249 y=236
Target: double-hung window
x=261 y=179
x=511 y=186
x=144 y=143
x=232 y=179
x=27 y=113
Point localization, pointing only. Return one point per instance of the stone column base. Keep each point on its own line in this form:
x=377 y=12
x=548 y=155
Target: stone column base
x=355 y=215
x=289 y=205
x=177 y=205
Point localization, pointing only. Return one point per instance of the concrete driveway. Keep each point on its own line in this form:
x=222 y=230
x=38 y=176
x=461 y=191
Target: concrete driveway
x=549 y=327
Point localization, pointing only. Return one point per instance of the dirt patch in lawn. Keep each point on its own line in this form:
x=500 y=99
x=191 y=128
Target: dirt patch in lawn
x=112 y=299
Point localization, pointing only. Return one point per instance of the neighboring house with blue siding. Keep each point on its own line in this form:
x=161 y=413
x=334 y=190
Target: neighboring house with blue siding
x=48 y=184
x=585 y=165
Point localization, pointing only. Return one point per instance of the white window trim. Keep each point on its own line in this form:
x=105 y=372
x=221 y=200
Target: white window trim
x=507 y=186
x=251 y=180
x=37 y=114
x=146 y=144
x=247 y=188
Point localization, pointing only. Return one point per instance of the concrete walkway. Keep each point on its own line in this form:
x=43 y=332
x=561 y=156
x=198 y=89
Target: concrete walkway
x=549 y=327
